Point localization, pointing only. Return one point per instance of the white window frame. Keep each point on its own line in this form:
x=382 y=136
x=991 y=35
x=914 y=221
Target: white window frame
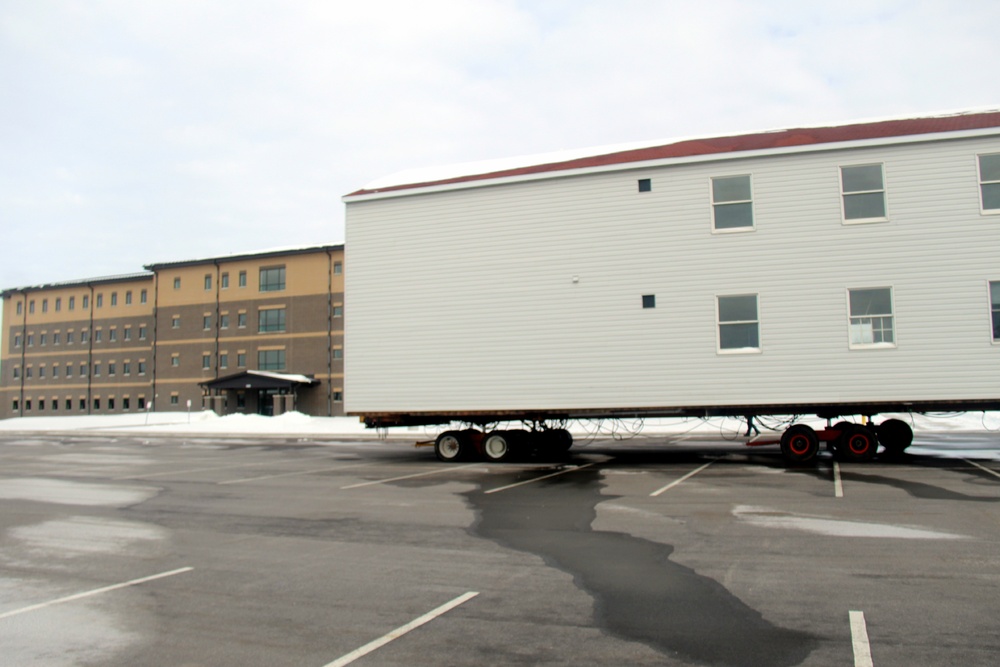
x=718 y=326
x=979 y=173
x=892 y=315
x=989 y=301
x=753 y=208
x=843 y=195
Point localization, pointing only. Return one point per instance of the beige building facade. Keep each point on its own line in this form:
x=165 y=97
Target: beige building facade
x=251 y=333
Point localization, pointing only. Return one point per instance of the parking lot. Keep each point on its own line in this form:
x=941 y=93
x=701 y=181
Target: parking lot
x=127 y=550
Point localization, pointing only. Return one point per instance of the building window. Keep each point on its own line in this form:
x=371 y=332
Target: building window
x=86 y=301
x=97 y=370
x=55 y=371
x=995 y=309
x=871 y=317
x=142 y=333
x=112 y=335
x=174 y=399
x=989 y=182
x=175 y=322
x=114 y=298
x=224 y=321
x=177 y=283
x=243 y=279
x=128 y=333
x=272 y=279
x=72 y=303
x=45 y=305
x=83 y=370
x=223 y=360
x=732 y=203
x=338 y=353
x=142 y=368
x=41 y=404
x=31 y=307
x=17 y=340
x=69 y=337
x=241 y=359
x=20 y=307
x=41 y=372
x=241 y=320
x=271 y=320
x=69 y=371
x=55 y=338
x=224 y=281
x=175 y=360
x=206 y=362
x=111 y=368
x=206 y=322
x=83 y=404
x=44 y=338
x=15 y=405
x=27 y=405
x=271 y=360
x=17 y=372
x=58 y=304
x=85 y=336
x=142 y=402
x=126 y=368
x=125 y=403
x=208 y=281
x=645 y=185
x=97 y=335
x=739 y=324
x=97 y=404
x=338 y=268
x=142 y=296
x=128 y=297
x=69 y=403
x=338 y=396
x=649 y=301
x=338 y=311
x=863 y=189
x=100 y=301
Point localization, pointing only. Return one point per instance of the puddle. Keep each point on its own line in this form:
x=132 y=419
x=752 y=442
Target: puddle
x=44 y=490
x=639 y=593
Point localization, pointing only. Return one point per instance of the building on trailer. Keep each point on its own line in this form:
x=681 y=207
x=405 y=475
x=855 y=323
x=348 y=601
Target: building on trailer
x=255 y=333
x=851 y=269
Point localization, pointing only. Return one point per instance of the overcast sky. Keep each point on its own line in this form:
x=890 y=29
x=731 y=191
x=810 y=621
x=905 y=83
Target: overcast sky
x=137 y=131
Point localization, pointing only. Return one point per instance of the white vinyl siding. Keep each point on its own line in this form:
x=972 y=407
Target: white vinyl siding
x=500 y=323
x=989 y=182
x=863 y=192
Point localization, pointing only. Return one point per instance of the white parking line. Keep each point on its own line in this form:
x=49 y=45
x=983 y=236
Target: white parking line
x=243 y=480
x=96 y=591
x=838 y=483
x=680 y=480
x=859 y=637
x=402 y=630
x=982 y=467
x=538 y=479
x=396 y=479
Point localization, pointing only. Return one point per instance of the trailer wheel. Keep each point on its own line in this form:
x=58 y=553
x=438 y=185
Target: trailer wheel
x=499 y=445
x=451 y=446
x=895 y=435
x=857 y=443
x=799 y=444
x=831 y=445
x=560 y=440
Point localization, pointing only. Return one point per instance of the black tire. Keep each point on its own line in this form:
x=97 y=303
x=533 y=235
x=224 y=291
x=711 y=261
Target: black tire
x=559 y=440
x=895 y=435
x=500 y=445
x=799 y=444
x=857 y=444
x=452 y=446
x=831 y=445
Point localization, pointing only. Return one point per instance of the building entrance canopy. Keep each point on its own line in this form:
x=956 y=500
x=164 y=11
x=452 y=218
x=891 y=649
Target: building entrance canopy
x=260 y=380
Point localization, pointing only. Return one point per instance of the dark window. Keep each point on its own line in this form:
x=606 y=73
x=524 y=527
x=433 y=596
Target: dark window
x=272 y=279
x=338 y=268
x=649 y=301
x=128 y=298
x=100 y=301
x=113 y=335
x=45 y=305
x=58 y=304
x=177 y=283
x=338 y=311
x=125 y=403
x=86 y=301
x=142 y=368
x=208 y=281
x=223 y=361
x=97 y=404
x=72 y=303
x=206 y=361
x=271 y=360
x=175 y=399
x=142 y=296
x=224 y=321
x=111 y=403
x=20 y=307
x=241 y=360
x=224 y=281
x=206 y=322
x=270 y=320
x=241 y=320
x=114 y=298
x=243 y=279
x=645 y=185
x=995 y=308
x=127 y=367
x=142 y=402
x=142 y=333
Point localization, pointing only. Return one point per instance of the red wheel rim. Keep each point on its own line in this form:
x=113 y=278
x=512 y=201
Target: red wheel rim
x=799 y=445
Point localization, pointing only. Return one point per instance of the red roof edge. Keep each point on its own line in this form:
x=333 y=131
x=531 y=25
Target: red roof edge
x=735 y=144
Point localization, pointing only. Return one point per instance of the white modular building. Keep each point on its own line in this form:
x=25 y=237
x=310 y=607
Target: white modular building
x=848 y=269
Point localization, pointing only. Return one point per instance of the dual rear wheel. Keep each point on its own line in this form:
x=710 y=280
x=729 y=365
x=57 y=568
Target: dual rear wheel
x=500 y=445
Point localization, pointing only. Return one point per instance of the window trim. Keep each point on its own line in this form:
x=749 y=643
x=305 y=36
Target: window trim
x=994 y=338
x=753 y=207
x=892 y=305
x=979 y=176
x=885 y=195
x=718 y=326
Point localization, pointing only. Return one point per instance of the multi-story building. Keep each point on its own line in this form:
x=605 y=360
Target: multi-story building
x=78 y=347
x=257 y=333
